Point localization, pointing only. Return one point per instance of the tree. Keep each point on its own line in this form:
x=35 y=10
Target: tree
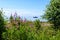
x=2 y=28
x=53 y=13
x=11 y=18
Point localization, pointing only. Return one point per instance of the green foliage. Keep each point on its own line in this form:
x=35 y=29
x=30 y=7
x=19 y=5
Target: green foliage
x=23 y=33
x=2 y=28
x=11 y=34
x=53 y=13
x=37 y=24
x=28 y=30
x=28 y=33
x=11 y=18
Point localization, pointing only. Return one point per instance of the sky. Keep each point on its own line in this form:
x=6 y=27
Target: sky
x=24 y=8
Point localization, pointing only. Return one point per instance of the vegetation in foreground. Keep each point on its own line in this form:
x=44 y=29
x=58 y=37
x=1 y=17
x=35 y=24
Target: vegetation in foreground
x=18 y=29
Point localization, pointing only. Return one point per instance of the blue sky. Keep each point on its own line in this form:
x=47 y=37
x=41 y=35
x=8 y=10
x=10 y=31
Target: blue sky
x=24 y=8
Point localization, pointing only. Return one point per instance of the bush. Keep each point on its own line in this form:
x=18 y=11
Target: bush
x=23 y=33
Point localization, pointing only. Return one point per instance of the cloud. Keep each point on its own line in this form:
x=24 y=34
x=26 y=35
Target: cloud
x=22 y=12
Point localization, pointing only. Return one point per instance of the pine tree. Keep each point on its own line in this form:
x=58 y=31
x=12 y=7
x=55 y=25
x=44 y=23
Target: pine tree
x=53 y=13
x=11 y=18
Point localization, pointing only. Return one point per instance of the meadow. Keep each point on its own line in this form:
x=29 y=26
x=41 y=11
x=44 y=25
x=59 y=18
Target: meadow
x=18 y=29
